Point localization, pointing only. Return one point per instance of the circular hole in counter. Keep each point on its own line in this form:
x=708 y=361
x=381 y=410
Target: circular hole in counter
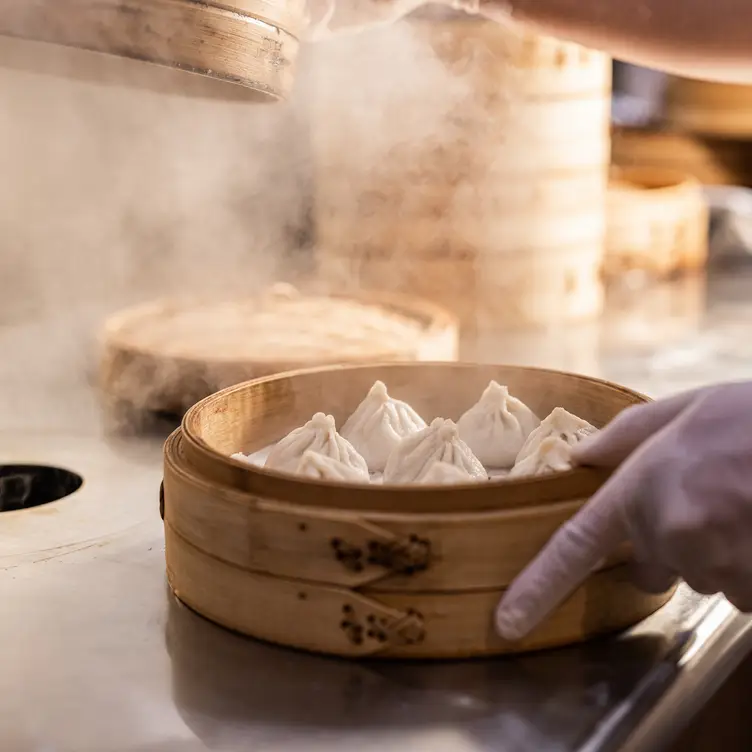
x=28 y=486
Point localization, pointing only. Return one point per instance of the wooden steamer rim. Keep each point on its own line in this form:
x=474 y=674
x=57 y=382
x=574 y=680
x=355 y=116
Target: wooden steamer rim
x=253 y=43
x=207 y=461
x=141 y=374
x=435 y=320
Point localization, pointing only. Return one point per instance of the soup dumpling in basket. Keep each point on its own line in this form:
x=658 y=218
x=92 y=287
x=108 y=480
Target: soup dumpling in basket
x=321 y=467
x=378 y=425
x=318 y=435
x=553 y=455
x=443 y=474
x=497 y=426
x=559 y=424
x=440 y=441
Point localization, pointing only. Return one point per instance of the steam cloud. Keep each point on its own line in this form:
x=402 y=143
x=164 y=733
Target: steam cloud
x=115 y=193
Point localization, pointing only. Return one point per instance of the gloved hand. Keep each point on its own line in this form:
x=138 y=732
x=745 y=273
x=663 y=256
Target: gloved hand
x=328 y=18
x=682 y=494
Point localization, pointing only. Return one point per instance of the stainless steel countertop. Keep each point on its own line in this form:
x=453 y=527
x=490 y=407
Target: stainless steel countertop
x=98 y=656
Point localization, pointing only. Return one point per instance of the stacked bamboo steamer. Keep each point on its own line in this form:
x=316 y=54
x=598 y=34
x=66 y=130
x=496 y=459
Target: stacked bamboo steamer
x=369 y=570
x=476 y=177
x=703 y=137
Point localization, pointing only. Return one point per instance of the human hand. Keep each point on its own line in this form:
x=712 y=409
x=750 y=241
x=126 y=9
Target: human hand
x=682 y=494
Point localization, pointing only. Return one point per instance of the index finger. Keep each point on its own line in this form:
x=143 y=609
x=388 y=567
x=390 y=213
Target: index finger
x=631 y=428
x=569 y=557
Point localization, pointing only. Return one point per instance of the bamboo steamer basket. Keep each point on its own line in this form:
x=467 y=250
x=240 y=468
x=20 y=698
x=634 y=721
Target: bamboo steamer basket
x=658 y=222
x=157 y=358
x=253 y=43
x=709 y=108
x=370 y=570
x=711 y=161
x=501 y=190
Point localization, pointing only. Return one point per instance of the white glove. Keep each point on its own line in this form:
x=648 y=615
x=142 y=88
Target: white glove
x=682 y=494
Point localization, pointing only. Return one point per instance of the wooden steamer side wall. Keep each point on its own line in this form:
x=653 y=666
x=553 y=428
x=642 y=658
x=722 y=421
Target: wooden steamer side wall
x=477 y=178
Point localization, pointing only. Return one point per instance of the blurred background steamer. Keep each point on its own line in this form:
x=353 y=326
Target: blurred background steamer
x=701 y=129
x=478 y=180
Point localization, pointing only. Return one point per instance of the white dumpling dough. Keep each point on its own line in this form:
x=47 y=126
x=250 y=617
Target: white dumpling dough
x=321 y=467
x=318 y=435
x=496 y=426
x=552 y=455
x=560 y=424
x=440 y=441
x=443 y=474
x=378 y=424
x=248 y=459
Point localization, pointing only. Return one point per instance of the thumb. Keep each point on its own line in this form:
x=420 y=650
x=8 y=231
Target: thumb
x=635 y=425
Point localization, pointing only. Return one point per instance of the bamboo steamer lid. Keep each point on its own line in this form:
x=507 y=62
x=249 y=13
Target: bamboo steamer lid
x=658 y=222
x=512 y=169
x=253 y=43
x=711 y=161
x=370 y=570
x=709 y=108
x=162 y=357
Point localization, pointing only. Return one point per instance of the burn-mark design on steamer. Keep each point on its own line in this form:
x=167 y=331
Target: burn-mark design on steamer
x=350 y=556
x=407 y=629
x=402 y=556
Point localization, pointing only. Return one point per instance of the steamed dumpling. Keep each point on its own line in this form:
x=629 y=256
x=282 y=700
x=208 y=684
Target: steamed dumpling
x=378 y=424
x=496 y=426
x=248 y=459
x=414 y=455
x=561 y=424
x=318 y=435
x=552 y=455
x=442 y=474
x=321 y=467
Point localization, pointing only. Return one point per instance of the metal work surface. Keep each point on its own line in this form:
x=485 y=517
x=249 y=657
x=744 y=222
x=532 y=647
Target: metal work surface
x=99 y=657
